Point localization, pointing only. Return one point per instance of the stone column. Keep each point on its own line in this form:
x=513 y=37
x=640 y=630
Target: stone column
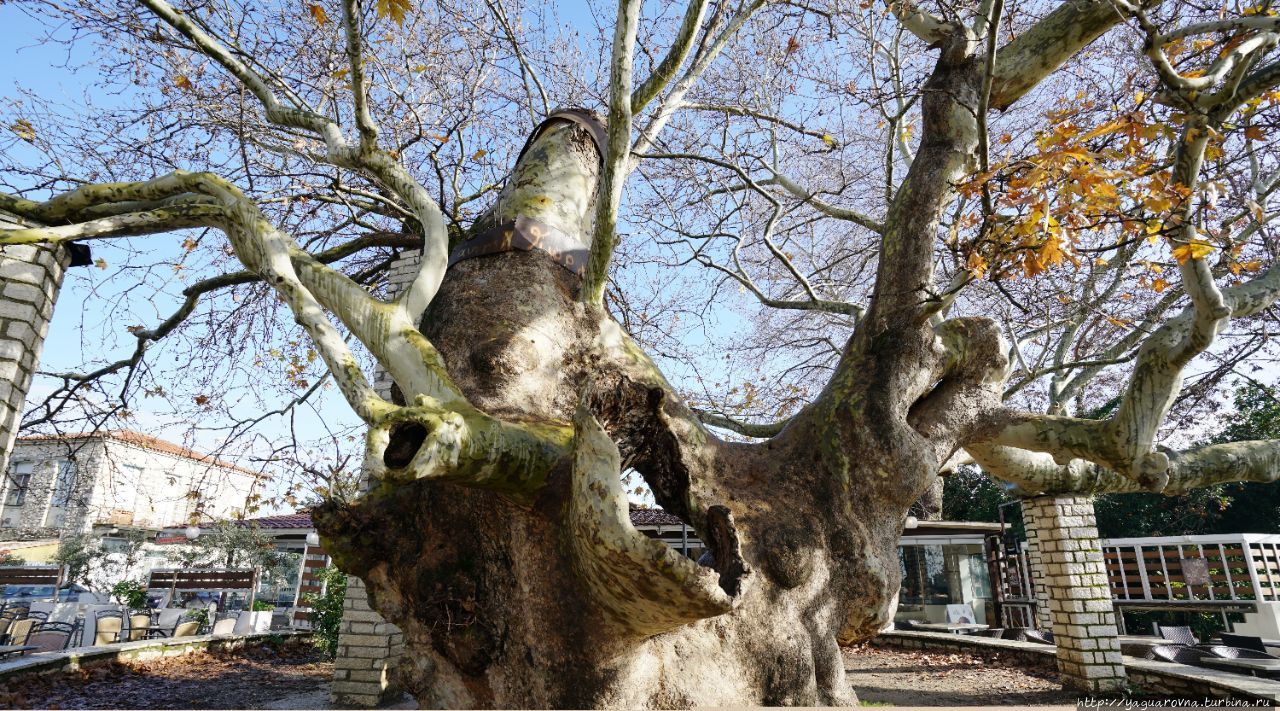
x=1072 y=595
x=369 y=647
x=30 y=277
x=368 y=650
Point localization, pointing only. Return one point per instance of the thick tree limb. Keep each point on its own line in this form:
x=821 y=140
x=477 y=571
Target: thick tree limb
x=618 y=153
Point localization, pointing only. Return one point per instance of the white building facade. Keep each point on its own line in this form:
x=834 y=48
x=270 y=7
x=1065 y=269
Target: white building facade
x=66 y=485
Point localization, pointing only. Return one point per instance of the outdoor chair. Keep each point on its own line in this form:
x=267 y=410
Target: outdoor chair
x=1224 y=652
x=19 y=630
x=1017 y=634
x=1178 y=654
x=108 y=624
x=904 y=625
x=225 y=623
x=186 y=629
x=51 y=636
x=38 y=615
x=1243 y=641
x=1177 y=635
x=995 y=632
x=139 y=624
x=1045 y=637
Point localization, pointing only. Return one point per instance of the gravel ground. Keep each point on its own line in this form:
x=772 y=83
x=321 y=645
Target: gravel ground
x=254 y=678
x=913 y=678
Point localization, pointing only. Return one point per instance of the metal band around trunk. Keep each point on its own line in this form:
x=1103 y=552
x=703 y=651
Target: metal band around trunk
x=525 y=234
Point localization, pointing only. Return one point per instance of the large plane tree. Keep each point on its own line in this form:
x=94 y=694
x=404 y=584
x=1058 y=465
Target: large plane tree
x=953 y=216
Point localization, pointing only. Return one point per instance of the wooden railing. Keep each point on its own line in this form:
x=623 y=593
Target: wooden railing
x=1194 y=570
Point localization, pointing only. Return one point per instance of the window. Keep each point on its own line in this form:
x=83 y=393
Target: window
x=65 y=482
x=61 y=497
x=19 y=480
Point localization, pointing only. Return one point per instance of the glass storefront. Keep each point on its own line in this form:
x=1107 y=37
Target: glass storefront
x=936 y=574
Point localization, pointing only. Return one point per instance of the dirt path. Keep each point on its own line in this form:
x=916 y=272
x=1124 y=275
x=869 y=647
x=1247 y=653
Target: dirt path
x=913 y=678
x=255 y=678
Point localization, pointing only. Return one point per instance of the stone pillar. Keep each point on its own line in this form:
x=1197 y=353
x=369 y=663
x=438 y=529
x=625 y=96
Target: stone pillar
x=1072 y=594
x=369 y=647
x=30 y=277
x=368 y=650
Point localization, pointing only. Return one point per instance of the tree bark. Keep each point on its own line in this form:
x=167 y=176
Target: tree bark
x=554 y=603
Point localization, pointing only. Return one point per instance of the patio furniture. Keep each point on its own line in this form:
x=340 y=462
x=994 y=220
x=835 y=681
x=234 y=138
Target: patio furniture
x=19 y=630
x=995 y=632
x=905 y=625
x=1178 y=654
x=139 y=623
x=1027 y=634
x=1224 y=652
x=1175 y=634
x=108 y=624
x=225 y=623
x=38 y=615
x=186 y=629
x=1039 y=637
x=1257 y=663
x=1243 y=641
x=51 y=636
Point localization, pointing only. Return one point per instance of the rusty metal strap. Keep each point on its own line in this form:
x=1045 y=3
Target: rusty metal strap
x=525 y=234
x=581 y=117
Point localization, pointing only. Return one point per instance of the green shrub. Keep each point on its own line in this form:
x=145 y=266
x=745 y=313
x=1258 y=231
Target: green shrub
x=326 y=610
x=130 y=593
x=262 y=606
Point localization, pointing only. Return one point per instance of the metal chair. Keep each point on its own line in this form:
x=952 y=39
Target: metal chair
x=1176 y=634
x=38 y=615
x=994 y=632
x=1224 y=652
x=1037 y=636
x=107 y=626
x=51 y=636
x=20 y=629
x=139 y=623
x=225 y=623
x=1243 y=641
x=1178 y=654
x=904 y=625
x=186 y=629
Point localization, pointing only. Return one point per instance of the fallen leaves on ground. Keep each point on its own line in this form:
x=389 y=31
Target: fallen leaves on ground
x=240 y=679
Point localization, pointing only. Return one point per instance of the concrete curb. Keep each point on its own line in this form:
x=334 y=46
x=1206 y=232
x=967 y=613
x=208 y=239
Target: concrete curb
x=1147 y=674
x=82 y=657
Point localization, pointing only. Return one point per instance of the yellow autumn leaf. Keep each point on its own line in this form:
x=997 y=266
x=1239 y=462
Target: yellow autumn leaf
x=1159 y=285
x=395 y=9
x=1192 y=250
x=100 y=263
x=318 y=14
x=1255 y=133
x=479 y=154
x=23 y=129
x=828 y=139
x=182 y=82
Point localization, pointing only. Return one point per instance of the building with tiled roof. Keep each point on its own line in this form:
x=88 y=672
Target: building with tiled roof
x=61 y=485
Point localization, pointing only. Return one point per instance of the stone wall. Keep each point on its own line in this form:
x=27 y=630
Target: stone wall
x=1072 y=593
x=369 y=647
x=116 y=481
x=30 y=277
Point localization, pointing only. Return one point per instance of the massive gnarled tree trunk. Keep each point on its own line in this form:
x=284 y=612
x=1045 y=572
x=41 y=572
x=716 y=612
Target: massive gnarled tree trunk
x=555 y=600
x=496 y=532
